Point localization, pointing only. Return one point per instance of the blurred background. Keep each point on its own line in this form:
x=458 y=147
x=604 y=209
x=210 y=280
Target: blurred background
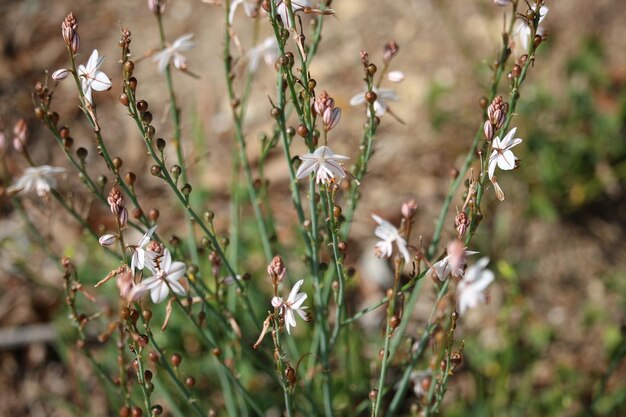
x=552 y=339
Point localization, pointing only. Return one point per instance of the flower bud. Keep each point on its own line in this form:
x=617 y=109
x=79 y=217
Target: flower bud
x=60 y=74
x=122 y=217
x=107 y=240
x=408 y=209
x=156 y=6
x=115 y=200
x=390 y=50
x=69 y=29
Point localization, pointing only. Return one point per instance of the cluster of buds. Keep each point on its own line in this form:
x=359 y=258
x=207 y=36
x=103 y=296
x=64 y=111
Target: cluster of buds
x=156 y=6
x=461 y=223
x=69 y=29
x=116 y=204
x=496 y=116
x=324 y=106
x=216 y=263
x=389 y=51
x=276 y=270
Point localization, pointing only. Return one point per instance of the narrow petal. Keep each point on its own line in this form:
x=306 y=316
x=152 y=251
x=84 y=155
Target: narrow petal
x=357 y=99
x=306 y=168
x=493 y=161
x=177 y=288
x=294 y=291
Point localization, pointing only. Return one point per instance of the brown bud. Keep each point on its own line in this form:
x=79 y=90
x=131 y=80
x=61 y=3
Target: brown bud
x=124 y=412
x=371 y=69
x=342 y=246
x=373 y=394
x=155 y=170
x=394 y=322
x=136 y=412
x=153 y=356
x=124 y=99
x=142 y=106
x=157 y=410
x=190 y=381
x=176 y=359
x=483 y=102
x=290 y=375
x=147 y=375
x=303 y=131
x=516 y=71
x=153 y=214
x=64 y=132
x=117 y=162
x=137 y=213
x=370 y=97
x=130 y=178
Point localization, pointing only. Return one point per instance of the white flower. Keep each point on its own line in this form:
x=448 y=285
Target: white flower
x=470 y=290
x=250 y=7
x=173 y=53
x=39 y=179
x=389 y=234
x=396 y=76
x=91 y=78
x=324 y=162
x=140 y=255
x=167 y=274
x=445 y=267
x=283 y=11
x=268 y=50
x=502 y=3
x=502 y=156
x=293 y=303
x=523 y=30
x=380 y=105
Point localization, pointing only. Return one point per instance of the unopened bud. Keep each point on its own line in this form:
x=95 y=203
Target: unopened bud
x=107 y=240
x=60 y=74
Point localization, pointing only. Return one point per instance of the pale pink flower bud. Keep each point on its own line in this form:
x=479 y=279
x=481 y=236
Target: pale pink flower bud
x=156 y=6
x=122 y=217
x=389 y=51
x=18 y=145
x=488 y=129
x=396 y=76
x=408 y=209
x=60 y=74
x=20 y=130
x=107 y=240
x=331 y=118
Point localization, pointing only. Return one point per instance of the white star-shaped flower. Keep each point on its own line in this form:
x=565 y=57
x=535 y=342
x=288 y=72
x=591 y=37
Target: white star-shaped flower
x=167 y=274
x=293 y=304
x=283 y=11
x=380 y=105
x=388 y=235
x=522 y=30
x=91 y=78
x=470 y=290
x=268 y=50
x=445 y=267
x=502 y=156
x=173 y=53
x=39 y=179
x=324 y=163
x=140 y=255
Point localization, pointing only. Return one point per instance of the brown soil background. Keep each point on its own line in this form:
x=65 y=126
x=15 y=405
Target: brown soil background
x=445 y=42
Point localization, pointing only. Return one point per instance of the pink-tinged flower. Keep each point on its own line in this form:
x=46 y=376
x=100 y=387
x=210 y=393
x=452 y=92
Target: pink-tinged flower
x=156 y=6
x=324 y=163
x=141 y=258
x=173 y=53
x=451 y=264
x=282 y=10
x=388 y=235
x=382 y=96
x=523 y=31
x=39 y=179
x=470 y=290
x=167 y=275
x=91 y=78
x=293 y=304
x=502 y=156
x=268 y=50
